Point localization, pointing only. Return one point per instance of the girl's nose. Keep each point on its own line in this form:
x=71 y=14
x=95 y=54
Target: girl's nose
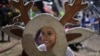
x=46 y=37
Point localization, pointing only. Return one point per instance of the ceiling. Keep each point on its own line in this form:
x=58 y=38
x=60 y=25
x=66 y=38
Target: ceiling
x=95 y=5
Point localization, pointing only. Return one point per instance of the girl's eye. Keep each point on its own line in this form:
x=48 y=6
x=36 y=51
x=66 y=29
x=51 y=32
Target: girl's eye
x=42 y=33
x=49 y=33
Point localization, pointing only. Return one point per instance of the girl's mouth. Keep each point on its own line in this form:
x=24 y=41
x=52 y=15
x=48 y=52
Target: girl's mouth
x=46 y=41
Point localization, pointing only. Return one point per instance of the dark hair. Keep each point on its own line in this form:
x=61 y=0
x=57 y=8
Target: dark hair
x=37 y=38
x=74 y=46
x=4 y=2
x=40 y=6
x=87 y=15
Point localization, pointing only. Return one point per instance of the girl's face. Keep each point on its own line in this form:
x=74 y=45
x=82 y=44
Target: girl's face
x=48 y=37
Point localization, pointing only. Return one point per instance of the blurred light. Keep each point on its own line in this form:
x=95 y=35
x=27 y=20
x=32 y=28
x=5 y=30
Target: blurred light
x=51 y=3
x=91 y=2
